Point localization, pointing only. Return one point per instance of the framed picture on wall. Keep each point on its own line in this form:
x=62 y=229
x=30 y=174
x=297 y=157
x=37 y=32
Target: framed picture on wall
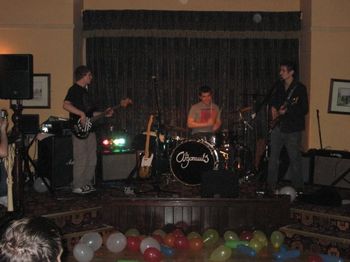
x=41 y=92
x=339 y=97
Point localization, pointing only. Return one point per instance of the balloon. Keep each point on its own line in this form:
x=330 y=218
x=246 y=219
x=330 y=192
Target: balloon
x=284 y=255
x=261 y=237
x=178 y=233
x=255 y=244
x=221 y=253
x=92 y=239
x=257 y=18
x=314 y=258
x=193 y=235
x=246 y=235
x=82 y=252
x=152 y=254
x=181 y=242
x=147 y=243
x=235 y=243
x=277 y=239
x=133 y=243
x=116 y=242
x=230 y=235
x=159 y=238
x=168 y=251
x=329 y=258
x=195 y=244
x=159 y=232
x=169 y=240
x=132 y=232
x=39 y=185
x=288 y=190
x=210 y=237
x=246 y=250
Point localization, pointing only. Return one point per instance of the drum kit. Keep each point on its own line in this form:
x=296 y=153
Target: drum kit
x=189 y=158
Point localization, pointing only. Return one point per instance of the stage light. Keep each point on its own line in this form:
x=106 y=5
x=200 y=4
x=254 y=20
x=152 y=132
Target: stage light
x=105 y=142
x=119 y=142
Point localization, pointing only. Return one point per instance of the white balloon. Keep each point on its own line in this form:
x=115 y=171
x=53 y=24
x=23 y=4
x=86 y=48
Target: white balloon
x=257 y=18
x=83 y=253
x=288 y=190
x=40 y=186
x=149 y=242
x=116 y=242
x=92 y=239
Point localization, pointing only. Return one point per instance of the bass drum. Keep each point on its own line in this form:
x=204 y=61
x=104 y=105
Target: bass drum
x=192 y=158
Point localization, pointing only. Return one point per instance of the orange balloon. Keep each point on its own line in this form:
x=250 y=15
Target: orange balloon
x=196 y=244
x=169 y=240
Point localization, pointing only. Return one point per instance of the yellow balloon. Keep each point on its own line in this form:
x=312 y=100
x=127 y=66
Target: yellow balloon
x=221 y=253
x=276 y=239
x=210 y=237
x=230 y=235
x=255 y=244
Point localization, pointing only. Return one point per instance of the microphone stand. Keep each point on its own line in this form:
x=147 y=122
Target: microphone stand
x=155 y=170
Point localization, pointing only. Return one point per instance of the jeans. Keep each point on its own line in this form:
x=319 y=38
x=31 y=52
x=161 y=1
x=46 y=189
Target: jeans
x=292 y=142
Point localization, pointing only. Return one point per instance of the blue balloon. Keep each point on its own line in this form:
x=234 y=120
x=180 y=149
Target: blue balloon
x=328 y=258
x=284 y=255
x=246 y=250
x=167 y=251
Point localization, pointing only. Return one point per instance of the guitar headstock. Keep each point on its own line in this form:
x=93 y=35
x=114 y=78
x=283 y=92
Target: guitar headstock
x=125 y=102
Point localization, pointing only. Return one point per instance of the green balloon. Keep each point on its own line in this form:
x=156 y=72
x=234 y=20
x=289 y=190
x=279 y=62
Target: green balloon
x=221 y=253
x=210 y=237
x=159 y=232
x=276 y=239
x=192 y=235
x=230 y=235
x=235 y=243
x=132 y=232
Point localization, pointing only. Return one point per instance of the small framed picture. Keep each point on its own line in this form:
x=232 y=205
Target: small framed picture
x=339 y=97
x=41 y=92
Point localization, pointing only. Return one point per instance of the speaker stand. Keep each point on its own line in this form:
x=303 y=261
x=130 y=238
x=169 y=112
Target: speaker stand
x=16 y=137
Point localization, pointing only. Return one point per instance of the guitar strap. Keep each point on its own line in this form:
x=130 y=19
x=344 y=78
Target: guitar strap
x=291 y=92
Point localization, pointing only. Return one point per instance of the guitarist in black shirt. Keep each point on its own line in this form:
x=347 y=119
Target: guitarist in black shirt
x=289 y=105
x=78 y=105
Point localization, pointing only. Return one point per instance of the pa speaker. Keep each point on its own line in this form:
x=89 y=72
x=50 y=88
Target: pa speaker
x=329 y=169
x=219 y=183
x=118 y=166
x=55 y=160
x=16 y=76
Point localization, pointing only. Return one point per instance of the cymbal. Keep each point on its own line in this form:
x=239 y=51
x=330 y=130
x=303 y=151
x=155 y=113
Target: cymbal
x=175 y=128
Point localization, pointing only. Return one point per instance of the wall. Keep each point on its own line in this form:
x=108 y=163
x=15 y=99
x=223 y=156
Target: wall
x=329 y=34
x=44 y=29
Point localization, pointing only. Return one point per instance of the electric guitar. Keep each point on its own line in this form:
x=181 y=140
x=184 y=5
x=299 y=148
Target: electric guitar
x=82 y=130
x=274 y=122
x=146 y=162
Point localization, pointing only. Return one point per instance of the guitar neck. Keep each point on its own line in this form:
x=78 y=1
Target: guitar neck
x=101 y=115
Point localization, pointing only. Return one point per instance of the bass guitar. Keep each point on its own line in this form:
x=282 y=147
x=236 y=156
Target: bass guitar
x=146 y=162
x=274 y=122
x=82 y=131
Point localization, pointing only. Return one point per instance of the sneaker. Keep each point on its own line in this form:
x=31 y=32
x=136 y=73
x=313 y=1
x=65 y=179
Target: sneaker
x=83 y=190
x=3 y=201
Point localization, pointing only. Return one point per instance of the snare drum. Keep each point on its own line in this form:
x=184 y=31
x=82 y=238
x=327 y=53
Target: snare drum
x=192 y=158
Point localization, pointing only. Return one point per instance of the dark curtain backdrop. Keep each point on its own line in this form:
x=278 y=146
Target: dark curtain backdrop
x=168 y=67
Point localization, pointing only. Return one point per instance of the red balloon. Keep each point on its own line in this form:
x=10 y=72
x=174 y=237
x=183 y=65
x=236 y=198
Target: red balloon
x=314 y=258
x=133 y=243
x=181 y=242
x=178 y=233
x=195 y=244
x=246 y=235
x=169 y=240
x=158 y=238
x=152 y=254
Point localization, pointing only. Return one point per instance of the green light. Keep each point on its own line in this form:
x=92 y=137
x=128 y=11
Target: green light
x=120 y=141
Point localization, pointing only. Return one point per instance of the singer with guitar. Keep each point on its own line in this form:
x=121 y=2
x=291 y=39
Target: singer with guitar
x=81 y=109
x=3 y=154
x=289 y=105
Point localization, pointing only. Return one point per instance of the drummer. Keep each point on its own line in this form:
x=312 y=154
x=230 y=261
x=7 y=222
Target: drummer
x=204 y=117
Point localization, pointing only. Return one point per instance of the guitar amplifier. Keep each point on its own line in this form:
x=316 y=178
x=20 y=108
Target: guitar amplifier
x=329 y=166
x=118 y=166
